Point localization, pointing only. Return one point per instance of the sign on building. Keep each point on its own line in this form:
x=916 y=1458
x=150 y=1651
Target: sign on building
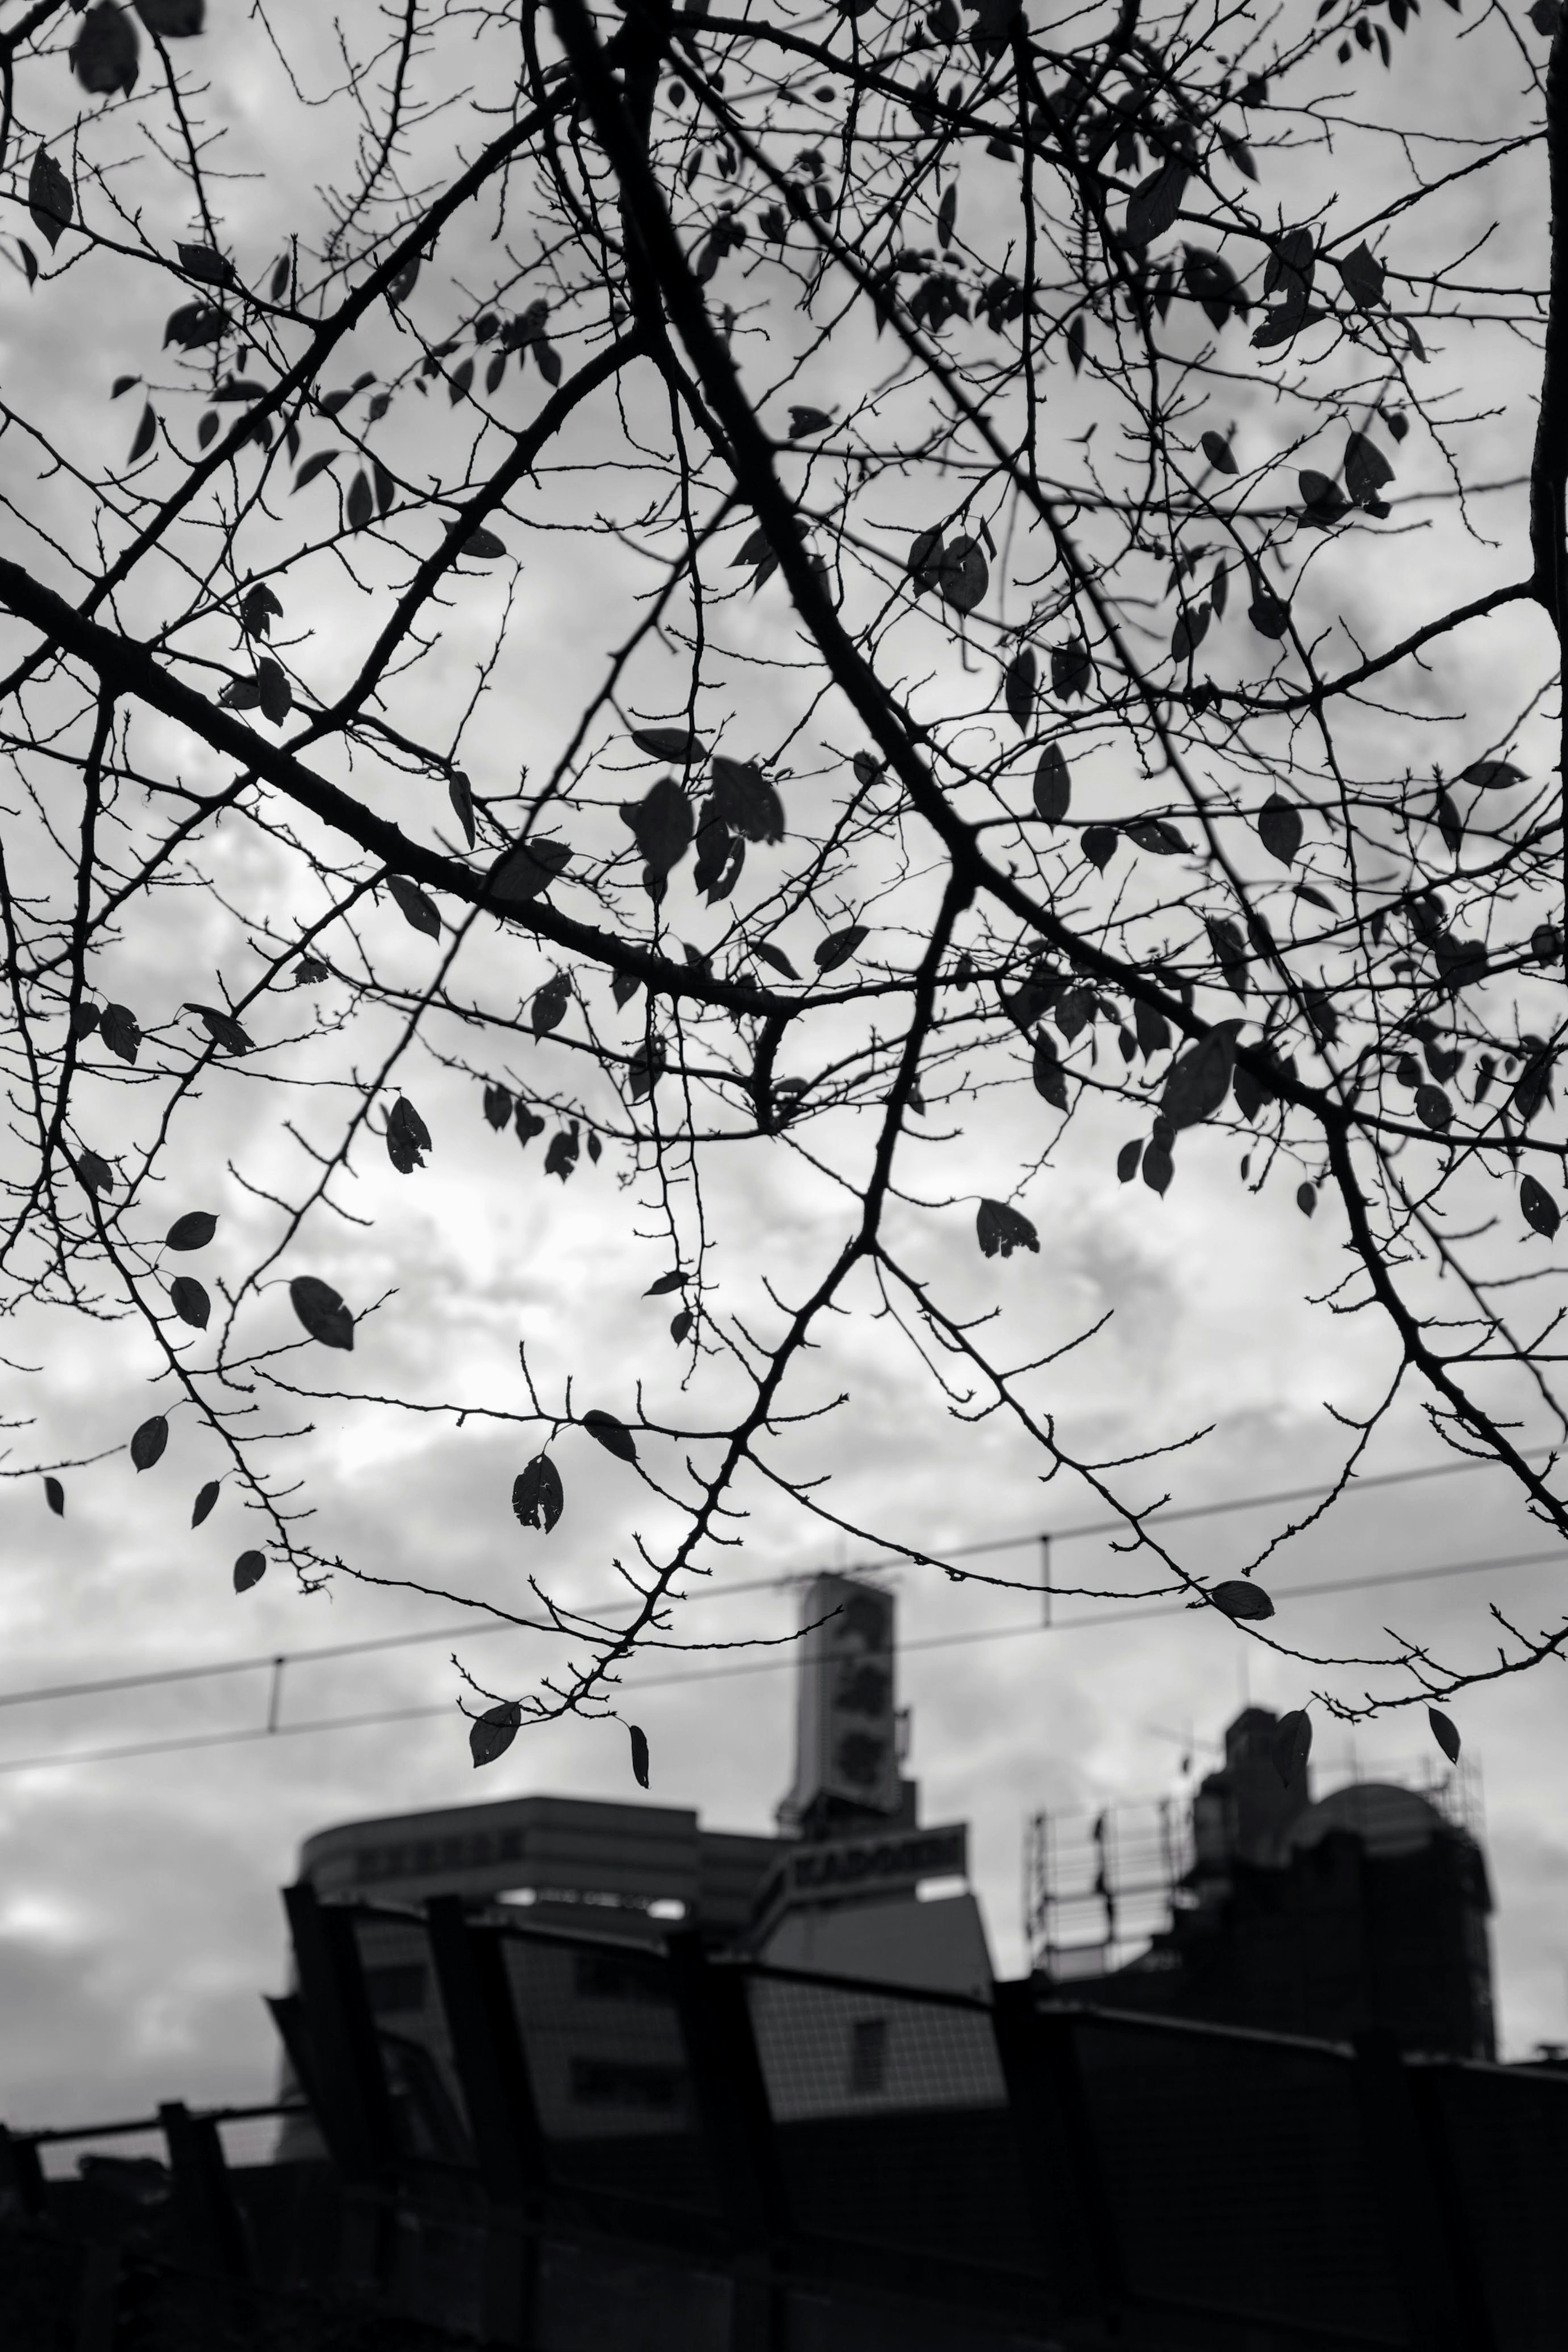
x=847 y=1735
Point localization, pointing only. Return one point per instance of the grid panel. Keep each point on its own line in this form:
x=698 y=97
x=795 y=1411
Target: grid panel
x=829 y=2050
x=1507 y=2136
x=607 y=2063
x=1213 y=2151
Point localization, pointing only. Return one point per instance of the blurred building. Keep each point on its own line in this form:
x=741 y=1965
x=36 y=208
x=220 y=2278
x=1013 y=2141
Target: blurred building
x=1362 y=1910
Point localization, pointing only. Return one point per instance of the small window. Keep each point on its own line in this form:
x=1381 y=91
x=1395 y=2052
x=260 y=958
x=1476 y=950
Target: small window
x=397 y=1989
x=868 y=2056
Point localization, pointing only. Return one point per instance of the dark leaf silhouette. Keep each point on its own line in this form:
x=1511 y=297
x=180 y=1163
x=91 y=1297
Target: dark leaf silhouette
x=964 y=574
x=561 y=1159
x=1246 y=1604
x=482 y=546
x=745 y=800
x=1363 y=274
x=529 y=868
x=1019 y=687
x=1151 y=1028
x=248 y=1570
x=1541 y=1210
x=205 y=1498
x=121 y=1031
x=221 y=1027
x=612 y=1434
x=196 y=324
x=207 y=266
x=407 y=1137
x=925 y=560
x=1279 y=829
x=1072 y=672
x=1050 y=1078
x=50 y=202
x=146 y=434
x=528 y=1124
x=190 y=1302
x=671 y=743
x=767 y=953
x=93 y=1173
x=193 y=1230
x=106 y=51
x=1199 y=1079
x=1053 y=785
x=839 y=946
x=173 y=20
x=640 y=1754
x=662 y=826
x=276 y=693
x=55 y=1495
x=147 y=1443
x=1491 y=775
x=549 y=1007
x=1127 y=1160
x=1154 y=203
x=416 y=910
x=1445 y=1732
x=1155 y=835
x=674 y=1280
x=1099 y=844
x=803 y=423
x=1367 y=470
x=498 y=1106
x=1000 y=1229
x=359 y=507
x=1218 y=452
x=258 y=608
x=679 y=1325
x=1291 y=1744
x=536 y=1494
x=1434 y=1110
x=321 y=1311
x=459 y=791
x=1306 y=1197
x=493 y=1733
x=1159 y=1168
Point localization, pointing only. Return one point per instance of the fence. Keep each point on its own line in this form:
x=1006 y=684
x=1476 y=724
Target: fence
x=555 y=2142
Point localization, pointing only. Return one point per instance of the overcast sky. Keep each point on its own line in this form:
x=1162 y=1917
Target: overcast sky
x=139 y=1914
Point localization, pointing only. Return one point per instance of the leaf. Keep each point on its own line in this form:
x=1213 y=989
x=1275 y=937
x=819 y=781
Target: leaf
x=498 y=1106
x=258 y=608
x=1367 y=470
x=1245 y=1603
x=612 y=1434
x=1018 y=688
x=1491 y=775
x=50 y=204
x=1306 y=1197
x=537 y=1497
x=1072 y=672
x=194 y=324
x=205 y=1499
x=963 y=575
x=1218 y=452
x=190 y=1302
x=93 y=1173
x=1153 y=205
x=222 y=1028
x=1050 y=1078
x=248 y=1570
x=745 y=801
x=661 y=825
x=671 y=743
x=386 y=487
x=806 y=422
x=1279 y=829
x=1269 y=614
x=121 y=1031
x=416 y=910
x=640 y=1754
x=147 y=1443
x=1323 y=500
x=1053 y=785
x=321 y=1311
x=1445 y=1732
x=1153 y=1029
x=1127 y=1160
x=1099 y=844
x=625 y=986
x=528 y=869
x=314 y=467
x=459 y=791
x=172 y=20
x=1200 y=1079
x=30 y=263
x=1539 y=1209
x=767 y=953
x=1363 y=274
x=241 y=694
x=493 y=1733
x=146 y=432
x=55 y=1495
x=482 y=547
x=924 y=563
x=276 y=693
x=1000 y=1228
x=106 y=51
x=674 y=1280
x=1291 y=1744
x=206 y=265
x=407 y=1138
x=1434 y=1110
x=1229 y=953
x=1158 y=1169
x=359 y=507
x=550 y=1005
x=679 y=1325
x=528 y=1124
x=1155 y=835
x=839 y=946
x=1192 y=627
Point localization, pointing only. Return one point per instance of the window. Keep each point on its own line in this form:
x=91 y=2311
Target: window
x=395 y=1989
x=609 y=1975
x=868 y=2056
x=625 y=2082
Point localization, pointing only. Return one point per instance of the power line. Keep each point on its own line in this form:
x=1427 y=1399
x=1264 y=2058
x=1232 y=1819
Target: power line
x=1166 y=1610
x=155 y=1677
